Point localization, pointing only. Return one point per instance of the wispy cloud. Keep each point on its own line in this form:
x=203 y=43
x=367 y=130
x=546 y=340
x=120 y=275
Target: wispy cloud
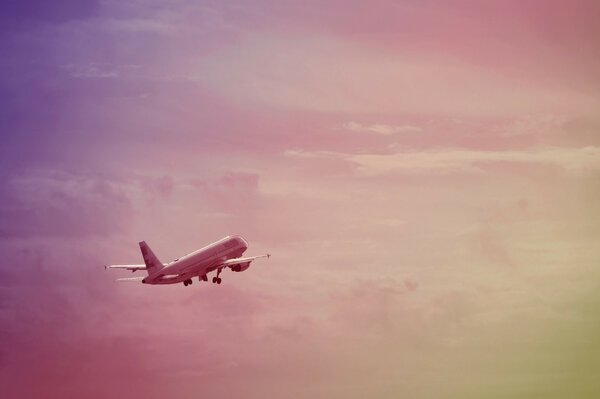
x=380 y=128
x=531 y=125
x=93 y=70
x=571 y=160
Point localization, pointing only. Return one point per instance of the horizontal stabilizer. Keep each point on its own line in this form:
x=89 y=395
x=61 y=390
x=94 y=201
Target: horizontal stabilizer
x=126 y=267
x=131 y=279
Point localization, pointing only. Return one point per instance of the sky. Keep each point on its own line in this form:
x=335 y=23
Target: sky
x=425 y=174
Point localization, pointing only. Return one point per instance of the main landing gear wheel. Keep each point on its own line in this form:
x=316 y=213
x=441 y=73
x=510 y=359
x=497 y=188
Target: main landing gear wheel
x=217 y=279
x=187 y=282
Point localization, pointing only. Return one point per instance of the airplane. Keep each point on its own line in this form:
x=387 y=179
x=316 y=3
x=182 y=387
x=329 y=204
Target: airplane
x=222 y=254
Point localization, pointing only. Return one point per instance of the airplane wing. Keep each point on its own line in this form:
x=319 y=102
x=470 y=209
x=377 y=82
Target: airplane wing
x=130 y=279
x=133 y=268
x=238 y=261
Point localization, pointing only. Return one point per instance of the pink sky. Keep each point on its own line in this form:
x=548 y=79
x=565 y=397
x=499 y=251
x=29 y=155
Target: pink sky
x=425 y=174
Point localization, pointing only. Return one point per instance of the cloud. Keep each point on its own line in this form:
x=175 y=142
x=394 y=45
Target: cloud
x=57 y=203
x=25 y=14
x=234 y=190
x=331 y=74
x=157 y=187
x=59 y=324
x=93 y=70
x=532 y=125
x=575 y=161
x=141 y=26
x=381 y=129
x=390 y=222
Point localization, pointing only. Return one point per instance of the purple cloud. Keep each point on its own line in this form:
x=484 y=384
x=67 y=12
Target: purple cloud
x=55 y=204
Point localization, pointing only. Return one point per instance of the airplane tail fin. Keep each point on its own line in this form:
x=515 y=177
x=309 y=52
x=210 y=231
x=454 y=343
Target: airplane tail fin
x=152 y=263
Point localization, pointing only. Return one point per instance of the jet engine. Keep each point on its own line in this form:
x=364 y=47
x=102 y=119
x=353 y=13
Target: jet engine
x=240 y=267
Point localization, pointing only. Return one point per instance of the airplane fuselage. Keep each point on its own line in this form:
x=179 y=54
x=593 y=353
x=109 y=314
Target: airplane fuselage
x=200 y=262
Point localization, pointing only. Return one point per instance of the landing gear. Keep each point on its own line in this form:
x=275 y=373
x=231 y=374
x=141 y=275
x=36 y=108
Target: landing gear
x=217 y=279
x=202 y=278
x=187 y=282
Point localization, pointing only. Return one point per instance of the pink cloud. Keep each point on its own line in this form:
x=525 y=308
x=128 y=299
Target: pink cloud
x=331 y=74
x=232 y=191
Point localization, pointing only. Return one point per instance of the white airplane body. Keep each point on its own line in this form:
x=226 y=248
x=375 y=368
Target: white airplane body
x=222 y=254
